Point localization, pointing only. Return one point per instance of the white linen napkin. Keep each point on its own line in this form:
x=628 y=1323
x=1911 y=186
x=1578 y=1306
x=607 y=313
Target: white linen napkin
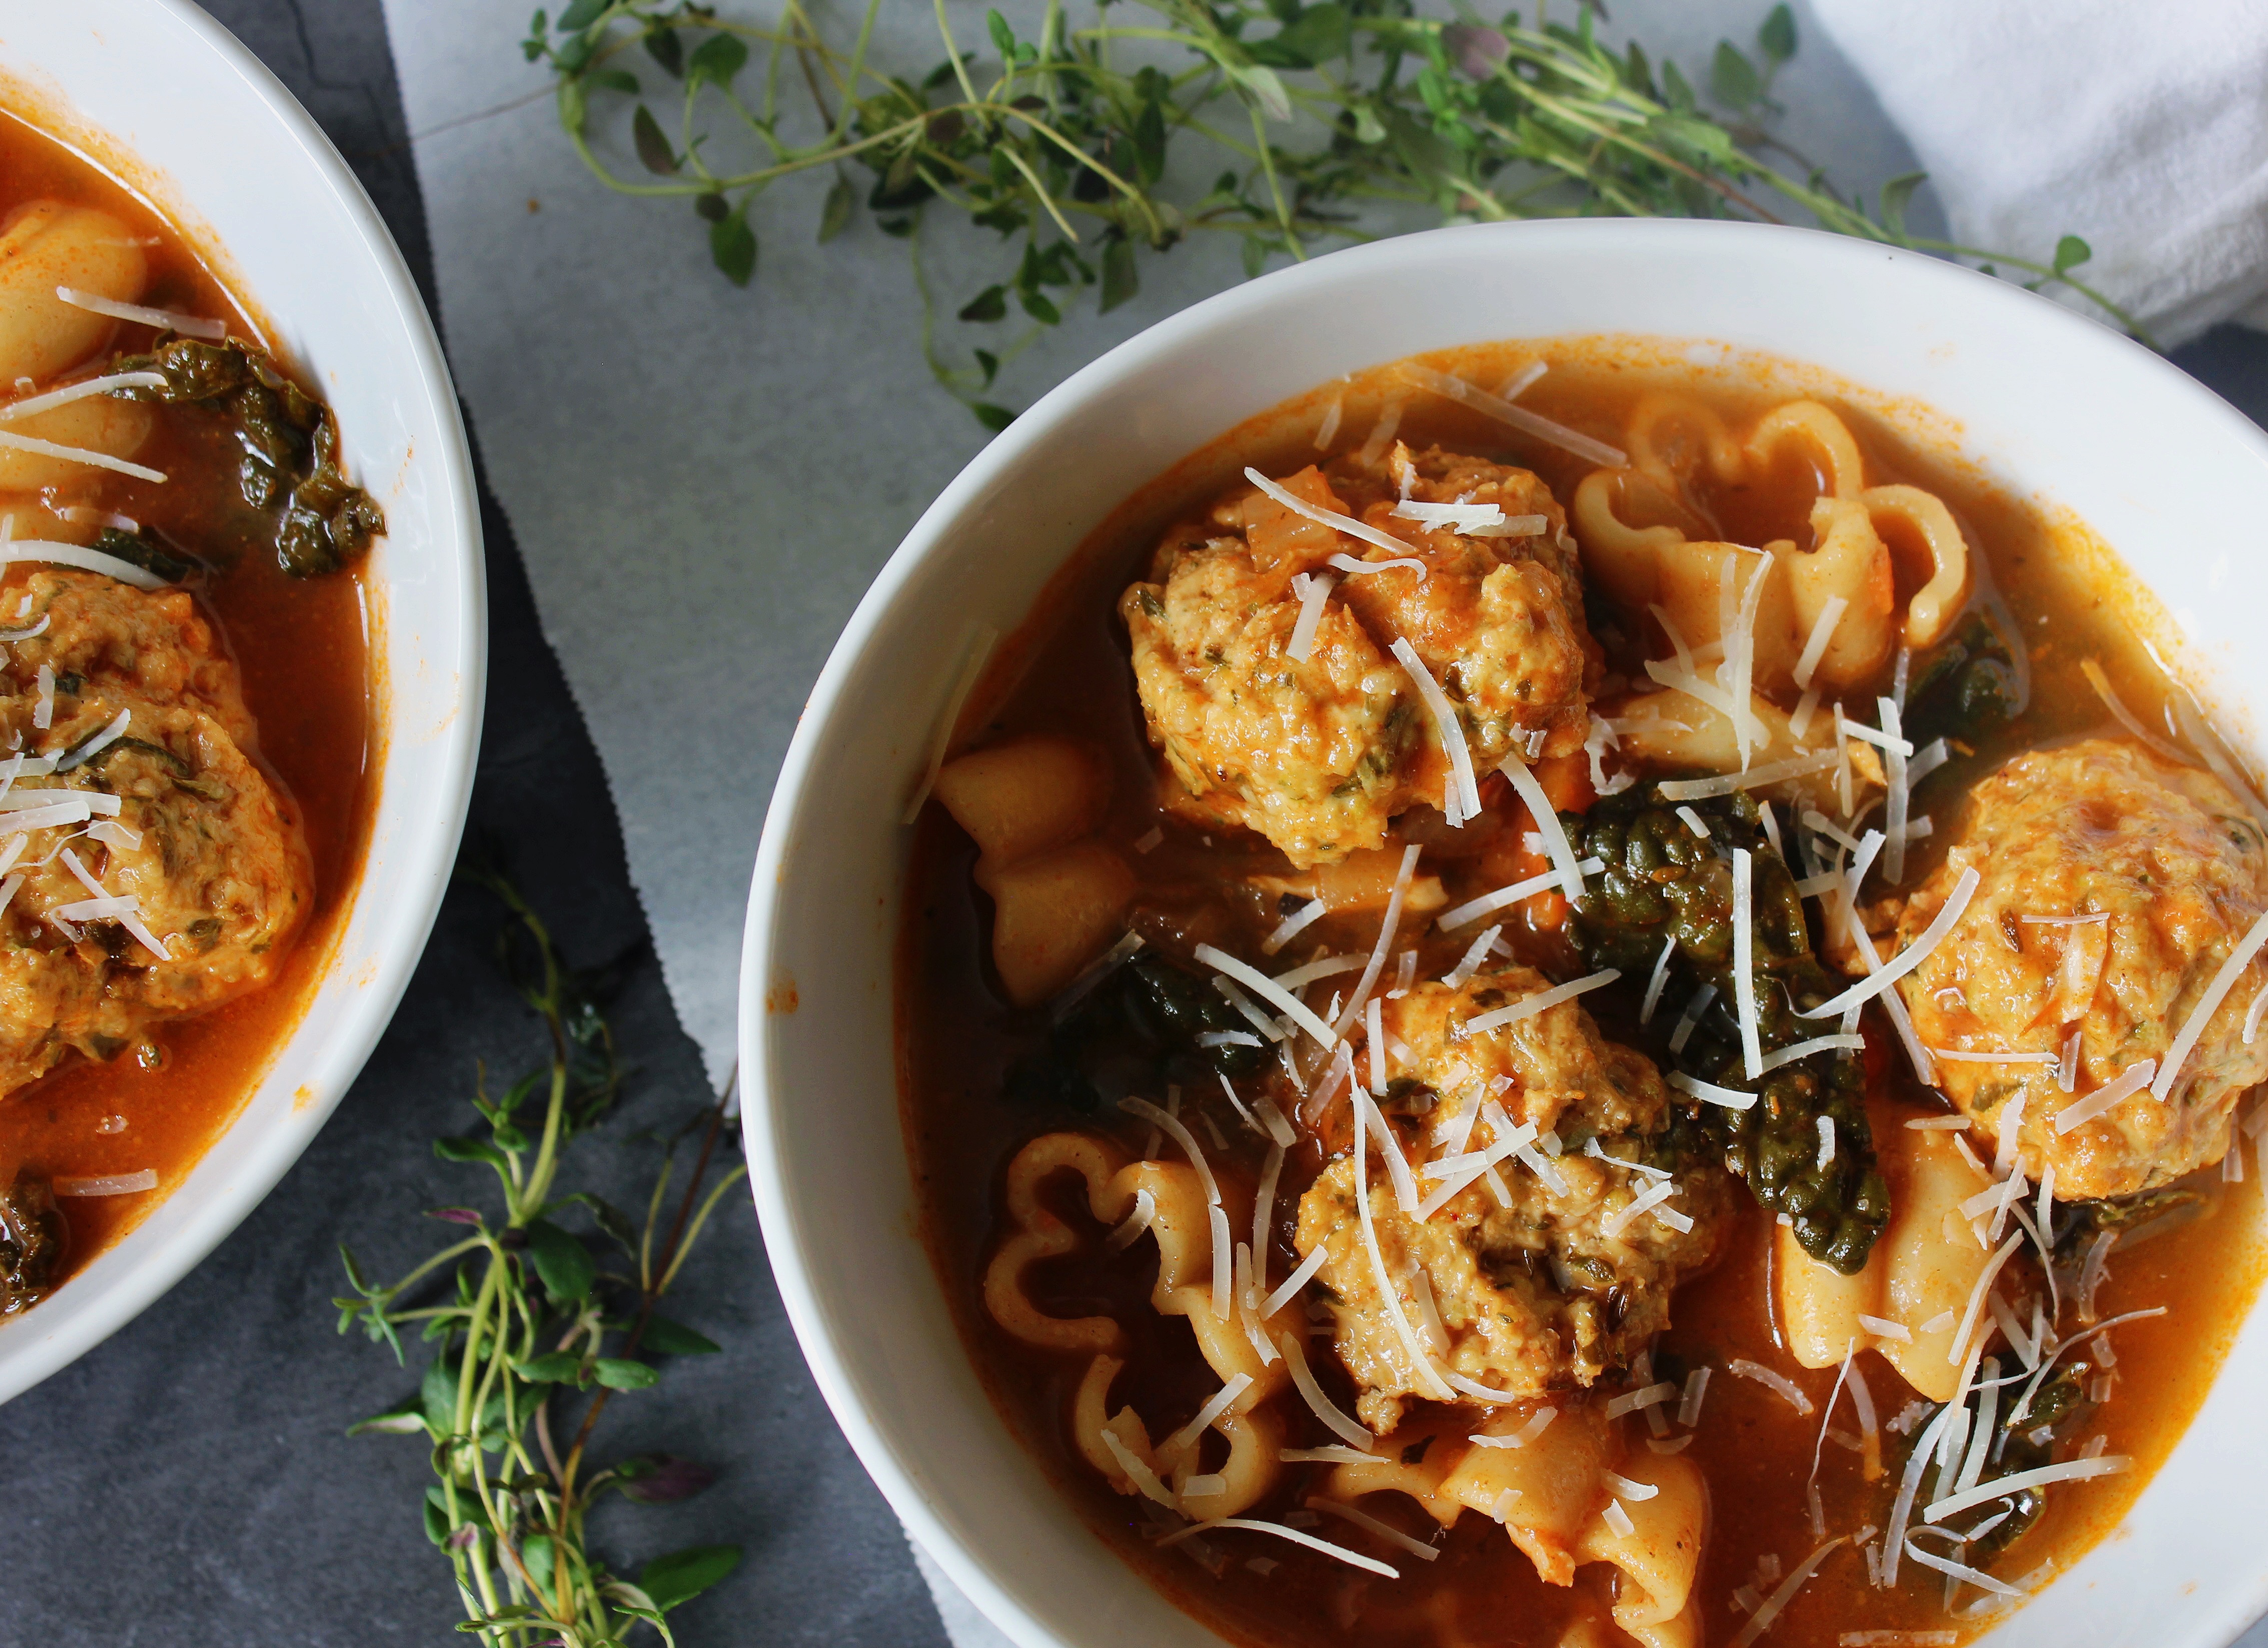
x=2144 y=130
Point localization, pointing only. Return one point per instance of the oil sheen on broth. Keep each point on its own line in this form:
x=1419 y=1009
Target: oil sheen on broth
x=228 y=813
x=1764 y=1381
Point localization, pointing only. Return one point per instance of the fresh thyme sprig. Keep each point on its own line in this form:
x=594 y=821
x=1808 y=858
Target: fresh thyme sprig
x=533 y=1336
x=1072 y=145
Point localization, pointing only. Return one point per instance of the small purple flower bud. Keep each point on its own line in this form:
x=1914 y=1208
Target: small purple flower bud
x=670 y=1479
x=1477 y=50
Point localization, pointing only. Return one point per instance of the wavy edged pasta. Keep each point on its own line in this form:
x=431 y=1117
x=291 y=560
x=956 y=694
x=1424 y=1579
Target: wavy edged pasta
x=1552 y=1496
x=1677 y=732
x=1182 y=1223
x=1648 y=544
x=1060 y=893
x=1923 y=1270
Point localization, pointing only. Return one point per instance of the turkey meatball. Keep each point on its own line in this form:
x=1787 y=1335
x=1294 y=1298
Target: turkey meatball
x=2113 y=886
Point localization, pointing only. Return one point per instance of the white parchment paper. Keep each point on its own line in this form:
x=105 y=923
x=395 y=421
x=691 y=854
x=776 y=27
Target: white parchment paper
x=702 y=480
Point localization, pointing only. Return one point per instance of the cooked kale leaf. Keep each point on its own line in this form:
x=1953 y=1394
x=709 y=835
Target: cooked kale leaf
x=1964 y=687
x=290 y=460
x=1137 y=1028
x=1663 y=881
x=33 y=1239
x=136 y=551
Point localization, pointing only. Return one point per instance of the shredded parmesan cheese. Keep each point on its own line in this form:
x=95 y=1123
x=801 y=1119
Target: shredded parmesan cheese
x=1295 y=1356
x=107 y=1183
x=1380 y=950
x=1691 y=1016
x=1528 y=1007
x=1815 y=646
x=1293 y=1282
x=40 y=551
x=1488 y=903
x=1744 y=976
x=1330 y=518
x=79 y=454
x=1462 y=518
x=1801 y=1050
x=1251 y=1525
x=1876 y=984
x=1462 y=799
x=1779 y=1384
x=1221 y=1399
x=1969 y=1320
x=2132 y=1080
x=1773 y=1604
x=164 y=320
x=1897 y=749
x=2124 y=717
x=1959 y=1571
x=1314 y=590
x=1538 y=1422
x=1615 y=1223
x=34 y=405
x=1457 y=1172
x=2223 y=982
x=1274 y=993
x=1520 y=417
x=1388 y=1293
x=1631 y=1402
x=1661 y=977
x=1381 y=435
x=1556 y=844
x=94 y=746
x=1370 y=1524
x=1754 y=777
x=1709 y=1093
x=1470 y=962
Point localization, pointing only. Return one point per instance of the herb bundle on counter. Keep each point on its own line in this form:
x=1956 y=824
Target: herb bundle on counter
x=532 y=1334
x=1083 y=147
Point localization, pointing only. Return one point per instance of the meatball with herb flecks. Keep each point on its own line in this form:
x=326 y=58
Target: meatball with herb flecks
x=1318 y=739
x=1542 y=1274
x=2113 y=887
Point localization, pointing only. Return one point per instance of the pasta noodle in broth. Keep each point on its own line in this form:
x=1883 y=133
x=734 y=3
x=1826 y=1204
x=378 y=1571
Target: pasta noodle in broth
x=1425 y=1248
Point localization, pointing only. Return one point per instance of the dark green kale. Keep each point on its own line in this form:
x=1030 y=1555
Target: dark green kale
x=2031 y=1435
x=33 y=1239
x=2079 y=1223
x=1963 y=688
x=289 y=464
x=136 y=551
x=1663 y=881
x=1138 y=1028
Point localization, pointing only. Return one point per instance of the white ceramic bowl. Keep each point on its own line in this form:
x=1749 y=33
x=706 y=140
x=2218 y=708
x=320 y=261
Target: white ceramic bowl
x=196 y=122
x=2051 y=404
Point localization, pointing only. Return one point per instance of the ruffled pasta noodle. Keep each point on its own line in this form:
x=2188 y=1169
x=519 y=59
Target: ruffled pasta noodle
x=1861 y=535
x=1551 y=1496
x=1180 y=1223
x=1922 y=1271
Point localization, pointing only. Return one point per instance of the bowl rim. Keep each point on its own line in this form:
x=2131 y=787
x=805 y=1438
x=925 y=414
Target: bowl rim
x=808 y=1314
x=419 y=861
